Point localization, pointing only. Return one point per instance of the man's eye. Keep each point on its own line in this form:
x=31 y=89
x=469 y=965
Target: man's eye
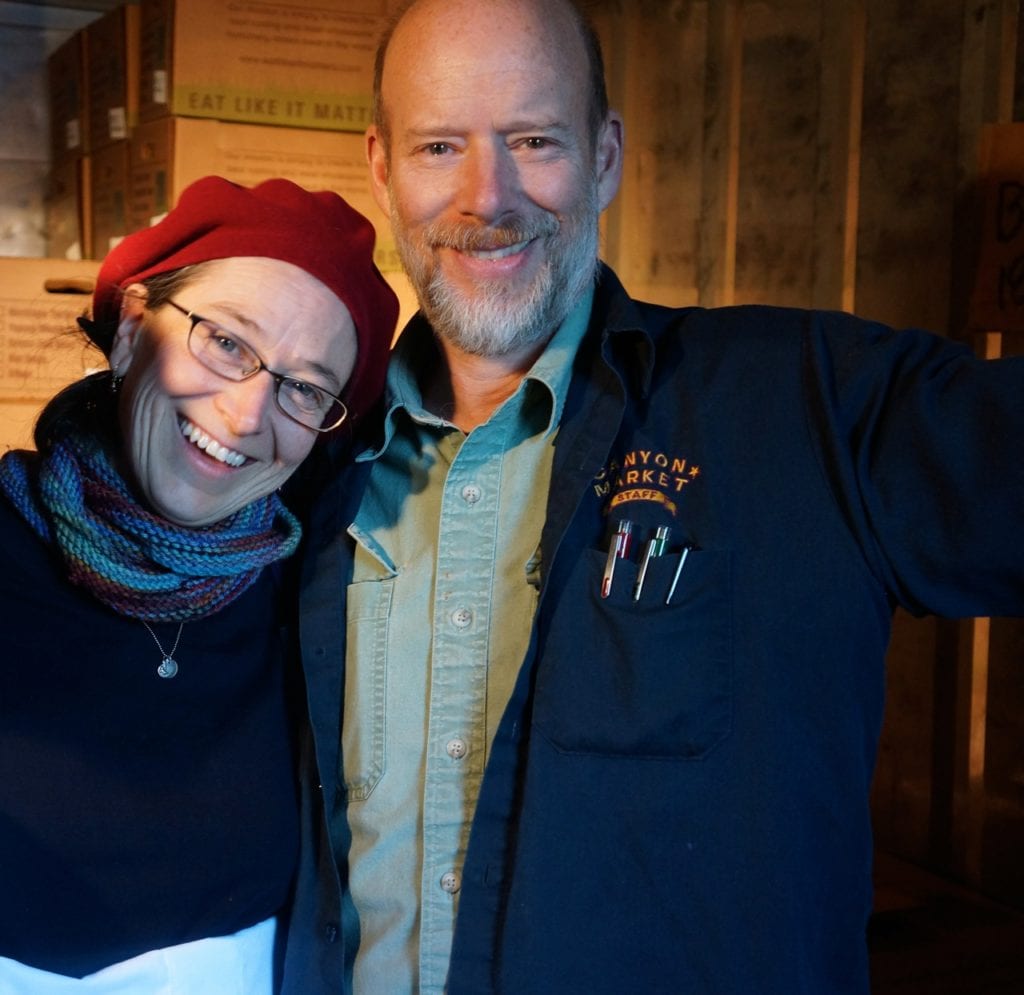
x=536 y=143
x=438 y=148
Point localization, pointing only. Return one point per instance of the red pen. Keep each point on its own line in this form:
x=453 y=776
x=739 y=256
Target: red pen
x=618 y=549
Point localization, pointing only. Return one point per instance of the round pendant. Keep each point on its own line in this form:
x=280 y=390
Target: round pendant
x=168 y=668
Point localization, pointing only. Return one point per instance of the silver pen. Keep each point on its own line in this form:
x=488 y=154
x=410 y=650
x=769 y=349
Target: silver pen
x=679 y=570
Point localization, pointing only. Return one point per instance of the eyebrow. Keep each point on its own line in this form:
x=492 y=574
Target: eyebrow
x=327 y=374
x=518 y=126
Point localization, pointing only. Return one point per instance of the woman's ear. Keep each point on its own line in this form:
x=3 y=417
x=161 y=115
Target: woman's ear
x=133 y=304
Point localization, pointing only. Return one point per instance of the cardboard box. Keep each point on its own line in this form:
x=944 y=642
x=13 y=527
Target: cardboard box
x=68 y=225
x=112 y=76
x=298 y=64
x=107 y=207
x=41 y=348
x=69 y=117
x=168 y=155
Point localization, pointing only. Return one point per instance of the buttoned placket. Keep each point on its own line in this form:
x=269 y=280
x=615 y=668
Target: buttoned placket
x=457 y=724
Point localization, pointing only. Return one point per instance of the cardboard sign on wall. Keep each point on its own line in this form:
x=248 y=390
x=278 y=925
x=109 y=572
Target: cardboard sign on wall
x=296 y=64
x=997 y=303
x=41 y=349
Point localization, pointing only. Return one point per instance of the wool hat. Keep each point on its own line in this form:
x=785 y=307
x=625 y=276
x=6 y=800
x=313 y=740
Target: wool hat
x=319 y=232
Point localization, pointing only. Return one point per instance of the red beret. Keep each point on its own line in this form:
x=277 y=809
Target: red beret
x=319 y=232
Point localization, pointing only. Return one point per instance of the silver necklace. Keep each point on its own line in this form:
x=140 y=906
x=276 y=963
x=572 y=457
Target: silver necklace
x=168 y=666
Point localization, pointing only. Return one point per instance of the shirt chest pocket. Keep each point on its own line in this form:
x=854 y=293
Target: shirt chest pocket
x=363 y=725
x=640 y=678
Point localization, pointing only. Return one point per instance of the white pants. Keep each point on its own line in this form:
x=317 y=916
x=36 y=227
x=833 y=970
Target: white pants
x=242 y=964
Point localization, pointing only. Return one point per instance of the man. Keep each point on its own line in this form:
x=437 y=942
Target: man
x=618 y=589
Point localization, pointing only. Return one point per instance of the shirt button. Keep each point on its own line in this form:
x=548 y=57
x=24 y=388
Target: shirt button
x=450 y=882
x=456 y=748
x=471 y=493
x=462 y=618
x=331 y=932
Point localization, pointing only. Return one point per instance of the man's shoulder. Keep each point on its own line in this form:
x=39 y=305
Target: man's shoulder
x=616 y=310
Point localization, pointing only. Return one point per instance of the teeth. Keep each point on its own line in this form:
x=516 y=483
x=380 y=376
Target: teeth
x=503 y=252
x=209 y=445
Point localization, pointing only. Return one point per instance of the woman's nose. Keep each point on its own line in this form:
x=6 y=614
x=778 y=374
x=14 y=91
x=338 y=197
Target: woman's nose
x=246 y=404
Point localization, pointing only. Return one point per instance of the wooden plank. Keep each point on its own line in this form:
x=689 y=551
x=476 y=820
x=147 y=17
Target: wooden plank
x=838 y=178
x=909 y=177
x=655 y=58
x=716 y=269
x=778 y=148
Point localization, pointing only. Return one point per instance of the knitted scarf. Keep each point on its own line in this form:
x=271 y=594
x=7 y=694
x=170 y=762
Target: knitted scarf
x=132 y=560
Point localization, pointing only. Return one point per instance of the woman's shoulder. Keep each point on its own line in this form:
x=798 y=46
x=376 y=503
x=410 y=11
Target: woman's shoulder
x=23 y=553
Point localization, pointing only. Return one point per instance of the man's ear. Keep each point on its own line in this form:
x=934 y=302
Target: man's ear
x=133 y=303
x=609 y=159
x=377 y=158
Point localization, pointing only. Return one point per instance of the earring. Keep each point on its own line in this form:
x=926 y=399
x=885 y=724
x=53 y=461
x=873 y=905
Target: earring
x=115 y=381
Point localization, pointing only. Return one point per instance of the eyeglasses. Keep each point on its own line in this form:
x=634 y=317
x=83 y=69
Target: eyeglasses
x=225 y=354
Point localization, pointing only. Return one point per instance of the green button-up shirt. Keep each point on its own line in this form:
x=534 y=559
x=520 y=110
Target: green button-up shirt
x=440 y=609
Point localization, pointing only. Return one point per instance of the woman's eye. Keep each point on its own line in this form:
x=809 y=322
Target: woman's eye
x=305 y=395
x=225 y=343
x=218 y=339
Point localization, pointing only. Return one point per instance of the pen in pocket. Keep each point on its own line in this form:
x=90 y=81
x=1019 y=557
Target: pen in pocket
x=655 y=547
x=679 y=569
x=618 y=549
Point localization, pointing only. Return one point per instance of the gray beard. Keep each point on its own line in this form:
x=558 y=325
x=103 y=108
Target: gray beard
x=498 y=320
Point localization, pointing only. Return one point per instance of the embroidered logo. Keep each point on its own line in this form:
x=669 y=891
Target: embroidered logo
x=646 y=475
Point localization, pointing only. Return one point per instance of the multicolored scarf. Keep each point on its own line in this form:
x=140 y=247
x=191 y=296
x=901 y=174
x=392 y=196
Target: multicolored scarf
x=136 y=562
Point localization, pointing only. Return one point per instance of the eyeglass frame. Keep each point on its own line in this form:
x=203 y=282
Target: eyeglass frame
x=279 y=378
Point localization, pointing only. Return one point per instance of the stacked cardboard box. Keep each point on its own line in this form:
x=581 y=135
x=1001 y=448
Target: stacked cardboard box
x=112 y=95
x=112 y=76
x=66 y=194
x=246 y=89
x=69 y=122
x=297 y=64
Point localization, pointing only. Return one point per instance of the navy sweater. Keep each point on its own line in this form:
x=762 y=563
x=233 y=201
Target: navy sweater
x=136 y=812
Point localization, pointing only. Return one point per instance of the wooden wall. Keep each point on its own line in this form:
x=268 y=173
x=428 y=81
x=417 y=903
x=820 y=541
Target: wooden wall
x=824 y=153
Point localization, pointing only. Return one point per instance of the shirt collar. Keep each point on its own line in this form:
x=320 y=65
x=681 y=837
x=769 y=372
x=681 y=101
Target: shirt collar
x=547 y=380
x=553 y=367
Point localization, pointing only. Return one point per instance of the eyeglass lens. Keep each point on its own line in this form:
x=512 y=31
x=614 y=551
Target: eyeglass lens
x=231 y=358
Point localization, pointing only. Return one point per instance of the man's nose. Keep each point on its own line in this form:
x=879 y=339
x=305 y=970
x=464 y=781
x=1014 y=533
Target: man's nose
x=489 y=182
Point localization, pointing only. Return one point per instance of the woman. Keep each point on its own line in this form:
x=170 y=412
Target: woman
x=148 y=826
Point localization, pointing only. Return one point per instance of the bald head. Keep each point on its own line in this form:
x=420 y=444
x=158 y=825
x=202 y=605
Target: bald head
x=526 y=24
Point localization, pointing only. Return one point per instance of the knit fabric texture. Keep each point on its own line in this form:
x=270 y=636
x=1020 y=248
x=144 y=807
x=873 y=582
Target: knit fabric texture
x=132 y=560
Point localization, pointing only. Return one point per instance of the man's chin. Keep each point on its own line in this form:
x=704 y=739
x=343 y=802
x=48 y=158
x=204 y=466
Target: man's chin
x=497 y=335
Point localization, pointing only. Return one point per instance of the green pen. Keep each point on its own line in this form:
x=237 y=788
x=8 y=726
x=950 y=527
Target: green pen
x=654 y=547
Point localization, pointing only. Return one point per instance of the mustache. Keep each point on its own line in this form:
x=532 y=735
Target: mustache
x=468 y=237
